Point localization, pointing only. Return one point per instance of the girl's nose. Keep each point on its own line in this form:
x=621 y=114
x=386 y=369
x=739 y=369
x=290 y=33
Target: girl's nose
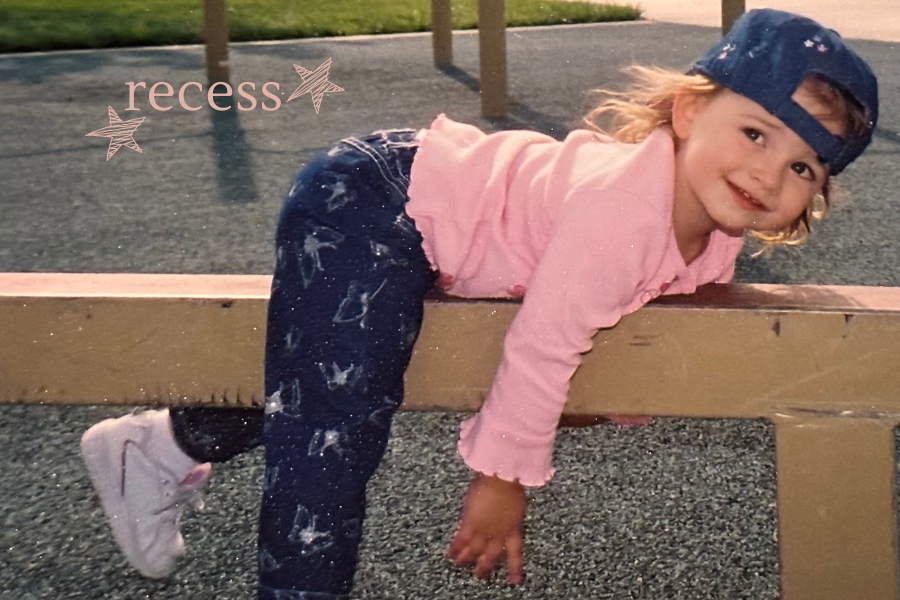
x=769 y=175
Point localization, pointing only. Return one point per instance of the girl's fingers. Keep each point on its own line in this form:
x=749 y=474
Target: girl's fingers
x=514 y=558
x=469 y=553
x=459 y=542
x=465 y=558
x=488 y=560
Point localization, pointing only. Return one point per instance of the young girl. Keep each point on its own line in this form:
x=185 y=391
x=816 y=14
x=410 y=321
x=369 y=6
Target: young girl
x=586 y=230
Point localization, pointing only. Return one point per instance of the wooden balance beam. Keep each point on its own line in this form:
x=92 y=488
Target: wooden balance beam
x=821 y=363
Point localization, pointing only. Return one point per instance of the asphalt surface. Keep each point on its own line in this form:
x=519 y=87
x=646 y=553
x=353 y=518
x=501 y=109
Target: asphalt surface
x=678 y=509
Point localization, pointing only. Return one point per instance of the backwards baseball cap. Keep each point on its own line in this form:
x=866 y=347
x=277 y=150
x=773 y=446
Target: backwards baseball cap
x=766 y=56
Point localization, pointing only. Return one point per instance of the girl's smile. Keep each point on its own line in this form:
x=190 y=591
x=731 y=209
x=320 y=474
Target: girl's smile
x=744 y=199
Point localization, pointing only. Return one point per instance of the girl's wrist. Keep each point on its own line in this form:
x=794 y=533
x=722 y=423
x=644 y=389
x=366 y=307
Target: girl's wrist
x=497 y=482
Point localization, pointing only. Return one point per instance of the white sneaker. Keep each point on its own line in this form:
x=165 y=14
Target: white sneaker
x=144 y=481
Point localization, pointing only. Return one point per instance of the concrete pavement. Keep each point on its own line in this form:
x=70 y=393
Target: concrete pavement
x=868 y=20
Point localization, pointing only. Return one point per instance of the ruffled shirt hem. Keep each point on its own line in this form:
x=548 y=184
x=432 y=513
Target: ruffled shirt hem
x=479 y=448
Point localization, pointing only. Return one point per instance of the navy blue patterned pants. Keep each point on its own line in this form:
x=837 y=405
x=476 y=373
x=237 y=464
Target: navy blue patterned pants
x=345 y=311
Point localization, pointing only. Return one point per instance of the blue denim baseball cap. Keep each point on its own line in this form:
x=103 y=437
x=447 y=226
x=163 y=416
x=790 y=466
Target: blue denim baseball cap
x=766 y=56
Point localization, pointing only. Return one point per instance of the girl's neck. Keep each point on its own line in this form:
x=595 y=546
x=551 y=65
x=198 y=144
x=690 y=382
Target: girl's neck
x=691 y=224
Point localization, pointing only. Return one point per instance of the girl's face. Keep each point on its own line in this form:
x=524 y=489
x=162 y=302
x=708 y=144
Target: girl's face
x=741 y=167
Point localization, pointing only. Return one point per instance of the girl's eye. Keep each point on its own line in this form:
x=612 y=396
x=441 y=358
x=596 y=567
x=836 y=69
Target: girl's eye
x=754 y=135
x=804 y=170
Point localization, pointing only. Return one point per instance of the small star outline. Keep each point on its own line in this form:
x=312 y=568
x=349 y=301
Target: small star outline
x=120 y=133
x=315 y=83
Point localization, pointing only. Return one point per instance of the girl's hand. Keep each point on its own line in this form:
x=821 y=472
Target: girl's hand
x=491 y=524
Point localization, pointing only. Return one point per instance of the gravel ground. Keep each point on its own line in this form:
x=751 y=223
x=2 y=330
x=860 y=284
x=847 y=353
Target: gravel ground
x=678 y=509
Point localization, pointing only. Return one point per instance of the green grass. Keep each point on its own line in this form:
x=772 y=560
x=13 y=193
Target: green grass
x=57 y=24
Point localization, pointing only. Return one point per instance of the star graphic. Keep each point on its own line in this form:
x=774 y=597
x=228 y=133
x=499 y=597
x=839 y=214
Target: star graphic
x=120 y=133
x=315 y=83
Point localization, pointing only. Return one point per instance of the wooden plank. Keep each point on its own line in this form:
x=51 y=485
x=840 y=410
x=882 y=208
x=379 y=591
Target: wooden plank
x=132 y=350
x=721 y=362
x=135 y=286
x=199 y=338
x=824 y=298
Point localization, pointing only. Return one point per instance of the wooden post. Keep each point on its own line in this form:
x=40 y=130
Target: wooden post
x=442 y=32
x=492 y=51
x=836 y=508
x=215 y=34
x=731 y=10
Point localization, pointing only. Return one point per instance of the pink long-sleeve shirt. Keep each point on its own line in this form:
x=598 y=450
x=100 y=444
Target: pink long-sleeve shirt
x=583 y=226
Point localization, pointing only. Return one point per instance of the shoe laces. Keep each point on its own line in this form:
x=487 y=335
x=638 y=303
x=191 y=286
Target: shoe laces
x=177 y=496
x=181 y=497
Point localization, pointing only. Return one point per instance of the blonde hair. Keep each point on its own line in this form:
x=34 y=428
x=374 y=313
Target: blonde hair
x=646 y=105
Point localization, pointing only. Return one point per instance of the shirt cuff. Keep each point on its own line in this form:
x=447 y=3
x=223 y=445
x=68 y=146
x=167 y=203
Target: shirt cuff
x=492 y=452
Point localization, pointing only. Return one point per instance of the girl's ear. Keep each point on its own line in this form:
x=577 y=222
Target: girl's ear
x=685 y=108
